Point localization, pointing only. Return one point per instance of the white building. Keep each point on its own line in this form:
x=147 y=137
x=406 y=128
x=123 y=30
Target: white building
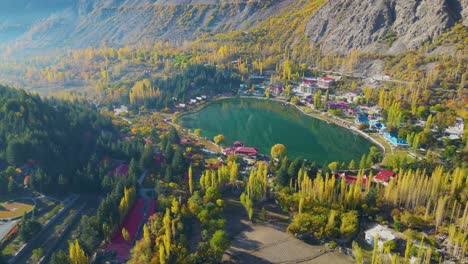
x=456 y=131
x=307 y=88
x=385 y=234
x=121 y=110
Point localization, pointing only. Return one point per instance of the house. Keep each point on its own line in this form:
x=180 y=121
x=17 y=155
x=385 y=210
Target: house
x=276 y=90
x=384 y=177
x=241 y=151
x=121 y=110
x=337 y=105
x=385 y=234
x=184 y=141
x=456 y=131
x=199 y=98
x=350 y=178
x=307 y=87
x=325 y=82
x=180 y=106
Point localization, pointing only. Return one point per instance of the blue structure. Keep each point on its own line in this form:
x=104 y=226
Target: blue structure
x=380 y=126
x=362 y=119
x=399 y=142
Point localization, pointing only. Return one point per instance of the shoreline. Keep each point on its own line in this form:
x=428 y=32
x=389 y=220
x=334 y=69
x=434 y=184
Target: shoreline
x=333 y=120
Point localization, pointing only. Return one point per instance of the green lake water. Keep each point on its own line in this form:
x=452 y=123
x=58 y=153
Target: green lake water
x=261 y=124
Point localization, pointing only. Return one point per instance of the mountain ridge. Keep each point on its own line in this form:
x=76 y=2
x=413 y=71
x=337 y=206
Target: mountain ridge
x=376 y=26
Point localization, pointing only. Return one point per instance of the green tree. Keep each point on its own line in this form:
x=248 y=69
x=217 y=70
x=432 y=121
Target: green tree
x=37 y=254
x=59 y=257
x=219 y=241
x=349 y=224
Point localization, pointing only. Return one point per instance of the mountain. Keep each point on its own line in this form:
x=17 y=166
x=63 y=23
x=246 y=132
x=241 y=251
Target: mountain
x=396 y=25
x=388 y=26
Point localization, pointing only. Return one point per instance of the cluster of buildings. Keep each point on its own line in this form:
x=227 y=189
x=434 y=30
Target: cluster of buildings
x=191 y=101
x=312 y=85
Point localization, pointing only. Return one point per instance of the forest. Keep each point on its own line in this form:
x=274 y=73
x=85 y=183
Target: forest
x=59 y=143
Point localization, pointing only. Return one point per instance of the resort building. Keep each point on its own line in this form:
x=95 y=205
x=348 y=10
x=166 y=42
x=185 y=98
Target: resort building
x=307 y=87
x=385 y=234
x=337 y=105
x=325 y=82
x=241 y=151
x=384 y=177
x=397 y=142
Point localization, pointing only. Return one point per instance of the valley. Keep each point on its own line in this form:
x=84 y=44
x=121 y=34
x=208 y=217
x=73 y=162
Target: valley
x=232 y=131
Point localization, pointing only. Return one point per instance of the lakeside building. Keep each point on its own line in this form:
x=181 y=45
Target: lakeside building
x=307 y=86
x=337 y=105
x=241 y=151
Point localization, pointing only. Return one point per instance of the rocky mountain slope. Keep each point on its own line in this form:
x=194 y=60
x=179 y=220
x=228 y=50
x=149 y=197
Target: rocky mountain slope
x=388 y=26
x=395 y=25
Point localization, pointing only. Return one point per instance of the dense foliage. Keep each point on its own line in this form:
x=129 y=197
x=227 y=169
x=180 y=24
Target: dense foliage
x=60 y=142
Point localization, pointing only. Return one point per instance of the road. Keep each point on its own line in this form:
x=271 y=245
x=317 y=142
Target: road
x=49 y=230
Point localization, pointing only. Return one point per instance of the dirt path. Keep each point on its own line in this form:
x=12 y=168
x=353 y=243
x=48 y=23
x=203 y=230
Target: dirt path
x=268 y=242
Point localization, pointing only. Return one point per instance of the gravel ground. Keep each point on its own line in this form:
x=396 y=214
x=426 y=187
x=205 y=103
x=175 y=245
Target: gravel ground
x=269 y=243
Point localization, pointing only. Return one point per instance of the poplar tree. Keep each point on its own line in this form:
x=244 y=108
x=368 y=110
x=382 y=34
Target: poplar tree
x=190 y=179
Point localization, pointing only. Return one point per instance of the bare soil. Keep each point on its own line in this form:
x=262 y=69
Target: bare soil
x=268 y=242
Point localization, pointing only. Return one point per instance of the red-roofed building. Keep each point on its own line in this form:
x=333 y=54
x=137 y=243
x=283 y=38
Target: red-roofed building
x=241 y=151
x=384 y=177
x=350 y=178
x=184 y=141
x=238 y=144
x=325 y=82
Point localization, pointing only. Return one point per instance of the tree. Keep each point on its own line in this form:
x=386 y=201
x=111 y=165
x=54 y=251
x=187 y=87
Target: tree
x=77 y=255
x=218 y=139
x=37 y=254
x=59 y=257
x=333 y=166
x=278 y=151
x=357 y=251
x=349 y=224
x=352 y=165
x=287 y=91
x=190 y=179
x=125 y=234
x=295 y=100
x=197 y=132
x=219 y=241
x=146 y=160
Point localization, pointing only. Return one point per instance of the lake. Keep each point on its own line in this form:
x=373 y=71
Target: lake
x=262 y=123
